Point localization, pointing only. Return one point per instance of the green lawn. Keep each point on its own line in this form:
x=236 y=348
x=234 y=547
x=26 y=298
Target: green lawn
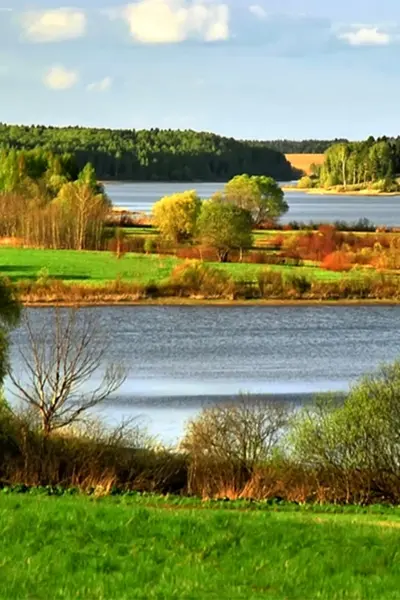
x=97 y=267
x=79 y=547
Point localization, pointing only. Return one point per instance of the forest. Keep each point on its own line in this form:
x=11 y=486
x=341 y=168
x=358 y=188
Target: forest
x=152 y=155
x=46 y=201
x=356 y=166
x=321 y=146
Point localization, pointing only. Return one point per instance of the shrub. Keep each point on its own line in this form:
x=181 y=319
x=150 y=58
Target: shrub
x=150 y=245
x=134 y=243
x=264 y=258
x=194 y=278
x=203 y=253
x=361 y=435
x=270 y=283
x=226 y=443
x=337 y=261
x=305 y=183
x=298 y=285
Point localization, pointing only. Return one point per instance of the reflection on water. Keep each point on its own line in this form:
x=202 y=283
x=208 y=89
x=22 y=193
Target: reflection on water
x=182 y=358
x=384 y=210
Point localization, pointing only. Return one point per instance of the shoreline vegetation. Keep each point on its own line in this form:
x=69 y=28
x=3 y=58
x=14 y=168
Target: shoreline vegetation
x=338 y=191
x=62 y=242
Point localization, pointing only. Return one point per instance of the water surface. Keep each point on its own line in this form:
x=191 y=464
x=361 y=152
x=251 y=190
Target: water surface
x=182 y=358
x=383 y=210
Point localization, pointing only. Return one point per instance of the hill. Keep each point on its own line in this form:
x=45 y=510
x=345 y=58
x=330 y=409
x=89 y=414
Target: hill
x=154 y=154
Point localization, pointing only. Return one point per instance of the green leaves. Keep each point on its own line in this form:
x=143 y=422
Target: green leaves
x=224 y=227
x=176 y=215
x=261 y=196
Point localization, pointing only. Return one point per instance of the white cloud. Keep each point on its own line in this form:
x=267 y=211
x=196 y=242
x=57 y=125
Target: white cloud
x=366 y=36
x=172 y=21
x=100 y=86
x=59 y=78
x=54 y=25
x=258 y=11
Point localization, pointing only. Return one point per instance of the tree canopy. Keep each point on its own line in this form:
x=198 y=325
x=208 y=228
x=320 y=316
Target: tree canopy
x=176 y=215
x=225 y=227
x=152 y=155
x=358 y=163
x=260 y=195
x=46 y=201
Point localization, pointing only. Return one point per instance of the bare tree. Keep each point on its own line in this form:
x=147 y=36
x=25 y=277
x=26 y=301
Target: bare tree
x=245 y=431
x=59 y=362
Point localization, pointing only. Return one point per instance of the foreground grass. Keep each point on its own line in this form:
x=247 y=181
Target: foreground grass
x=99 y=267
x=79 y=547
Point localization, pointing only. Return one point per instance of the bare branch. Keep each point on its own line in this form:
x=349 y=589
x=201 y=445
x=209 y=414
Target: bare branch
x=61 y=358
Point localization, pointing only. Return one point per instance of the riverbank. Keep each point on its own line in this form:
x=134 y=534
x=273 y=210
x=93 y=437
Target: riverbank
x=85 y=278
x=175 y=301
x=335 y=192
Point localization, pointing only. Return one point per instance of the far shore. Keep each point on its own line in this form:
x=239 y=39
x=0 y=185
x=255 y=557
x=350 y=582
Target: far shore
x=178 y=302
x=333 y=192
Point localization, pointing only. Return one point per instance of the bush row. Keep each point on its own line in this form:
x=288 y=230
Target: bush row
x=194 y=279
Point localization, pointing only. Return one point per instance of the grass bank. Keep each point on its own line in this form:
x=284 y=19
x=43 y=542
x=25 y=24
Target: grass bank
x=88 y=277
x=80 y=547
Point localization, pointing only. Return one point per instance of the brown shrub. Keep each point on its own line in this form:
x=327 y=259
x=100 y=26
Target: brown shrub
x=197 y=253
x=270 y=283
x=91 y=459
x=194 y=278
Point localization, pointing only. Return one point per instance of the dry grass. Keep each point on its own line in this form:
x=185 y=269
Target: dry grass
x=303 y=162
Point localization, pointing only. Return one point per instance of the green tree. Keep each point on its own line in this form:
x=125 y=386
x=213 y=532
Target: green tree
x=176 y=216
x=259 y=195
x=88 y=177
x=361 y=433
x=224 y=227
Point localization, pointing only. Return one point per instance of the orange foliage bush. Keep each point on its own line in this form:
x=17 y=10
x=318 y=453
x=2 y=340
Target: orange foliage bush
x=337 y=261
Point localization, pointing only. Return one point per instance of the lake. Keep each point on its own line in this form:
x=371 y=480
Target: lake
x=182 y=358
x=384 y=210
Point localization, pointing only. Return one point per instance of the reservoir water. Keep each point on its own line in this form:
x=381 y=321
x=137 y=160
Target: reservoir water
x=383 y=210
x=179 y=359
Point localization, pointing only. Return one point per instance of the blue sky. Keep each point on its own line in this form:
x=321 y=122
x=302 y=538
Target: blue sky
x=261 y=69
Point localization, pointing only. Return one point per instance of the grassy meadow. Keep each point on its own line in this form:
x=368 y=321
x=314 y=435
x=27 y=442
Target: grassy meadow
x=111 y=548
x=91 y=267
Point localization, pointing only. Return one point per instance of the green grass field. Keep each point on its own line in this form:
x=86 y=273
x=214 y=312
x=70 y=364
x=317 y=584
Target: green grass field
x=79 y=547
x=98 y=267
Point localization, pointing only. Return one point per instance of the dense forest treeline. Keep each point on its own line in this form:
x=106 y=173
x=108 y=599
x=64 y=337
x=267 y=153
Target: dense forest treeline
x=357 y=165
x=302 y=146
x=152 y=155
x=321 y=146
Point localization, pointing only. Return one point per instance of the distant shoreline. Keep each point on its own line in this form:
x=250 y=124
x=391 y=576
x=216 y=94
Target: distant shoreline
x=223 y=303
x=324 y=192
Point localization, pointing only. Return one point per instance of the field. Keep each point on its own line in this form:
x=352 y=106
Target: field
x=303 y=162
x=89 y=267
x=111 y=548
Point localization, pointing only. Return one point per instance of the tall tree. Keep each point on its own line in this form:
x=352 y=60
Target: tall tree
x=259 y=195
x=224 y=227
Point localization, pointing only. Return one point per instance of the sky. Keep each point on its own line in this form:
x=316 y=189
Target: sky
x=257 y=69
